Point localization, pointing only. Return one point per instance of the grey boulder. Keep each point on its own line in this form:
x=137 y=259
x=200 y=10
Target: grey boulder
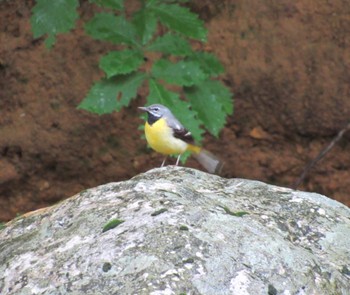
x=180 y=231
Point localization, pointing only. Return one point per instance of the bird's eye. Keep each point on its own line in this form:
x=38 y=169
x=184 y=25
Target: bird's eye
x=156 y=109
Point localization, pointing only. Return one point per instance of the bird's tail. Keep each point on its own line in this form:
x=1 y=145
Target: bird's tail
x=210 y=162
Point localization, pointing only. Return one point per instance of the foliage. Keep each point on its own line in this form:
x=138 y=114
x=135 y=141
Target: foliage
x=53 y=17
x=237 y=214
x=163 y=27
x=112 y=224
x=2 y=225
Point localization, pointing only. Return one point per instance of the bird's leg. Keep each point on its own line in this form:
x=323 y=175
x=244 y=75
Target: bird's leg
x=178 y=159
x=163 y=162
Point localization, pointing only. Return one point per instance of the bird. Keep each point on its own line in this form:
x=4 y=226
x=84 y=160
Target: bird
x=166 y=135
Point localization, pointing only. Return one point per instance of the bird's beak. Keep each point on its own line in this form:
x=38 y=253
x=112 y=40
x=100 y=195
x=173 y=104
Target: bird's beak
x=145 y=109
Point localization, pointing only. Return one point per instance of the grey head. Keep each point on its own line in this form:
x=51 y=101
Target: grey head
x=157 y=111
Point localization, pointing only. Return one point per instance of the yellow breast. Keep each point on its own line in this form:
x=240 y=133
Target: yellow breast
x=160 y=137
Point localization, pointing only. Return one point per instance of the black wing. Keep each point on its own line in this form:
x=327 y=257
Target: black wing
x=183 y=134
x=179 y=131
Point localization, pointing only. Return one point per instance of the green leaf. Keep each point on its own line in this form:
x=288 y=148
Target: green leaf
x=121 y=62
x=160 y=211
x=171 y=44
x=237 y=214
x=50 y=41
x=112 y=224
x=175 y=1
x=112 y=94
x=145 y=24
x=184 y=73
x=182 y=20
x=223 y=95
x=213 y=101
x=53 y=17
x=115 y=4
x=129 y=85
x=2 y=225
x=208 y=62
x=181 y=109
x=116 y=29
x=102 y=97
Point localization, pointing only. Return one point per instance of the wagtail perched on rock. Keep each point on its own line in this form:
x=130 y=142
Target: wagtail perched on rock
x=166 y=135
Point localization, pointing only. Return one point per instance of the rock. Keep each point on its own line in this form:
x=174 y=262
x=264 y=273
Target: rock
x=174 y=230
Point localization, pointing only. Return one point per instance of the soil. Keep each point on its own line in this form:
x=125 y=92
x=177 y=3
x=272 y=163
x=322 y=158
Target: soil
x=287 y=63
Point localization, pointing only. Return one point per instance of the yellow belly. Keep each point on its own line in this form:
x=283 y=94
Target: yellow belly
x=160 y=137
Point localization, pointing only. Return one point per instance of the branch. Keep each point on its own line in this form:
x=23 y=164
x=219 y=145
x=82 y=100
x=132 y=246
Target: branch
x=321 y=155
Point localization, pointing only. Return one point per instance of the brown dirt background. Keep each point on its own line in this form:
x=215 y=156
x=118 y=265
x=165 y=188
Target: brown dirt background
x=287 y=62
